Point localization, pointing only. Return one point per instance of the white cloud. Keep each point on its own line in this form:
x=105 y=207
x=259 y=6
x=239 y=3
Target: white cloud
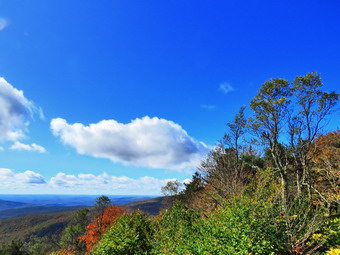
x=15 y=111
x=104 y=183
x=5 y=173
x=187 y=181
x=226 y=88
x=208 y=106
x=3 y=24
x=62 y=183
x=148 y=142
x=1 y=148
x=30 y=177
x=9 y=179
x=27 y=147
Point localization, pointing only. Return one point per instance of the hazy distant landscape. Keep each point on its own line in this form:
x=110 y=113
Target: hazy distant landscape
x=25 y=205
x=62 y=200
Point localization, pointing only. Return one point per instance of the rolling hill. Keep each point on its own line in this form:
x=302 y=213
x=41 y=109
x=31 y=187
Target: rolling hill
x=36 y=210
x=150 y=206
x=5 y=204
x=39 y=225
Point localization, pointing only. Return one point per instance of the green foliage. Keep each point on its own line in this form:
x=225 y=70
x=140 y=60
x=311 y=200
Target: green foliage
x=77 y=227
x=240 y=228
x=39 y=245
x=101 y=204
x=40 y=225
x=174 y=230
x=14 y=248
x=69 y=239
x=328 y=236
x=131 y=234
x=192 y=188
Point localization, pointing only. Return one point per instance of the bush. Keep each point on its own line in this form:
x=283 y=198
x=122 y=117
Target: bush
x=239 y=228
x=175 y=230
x=130 y=234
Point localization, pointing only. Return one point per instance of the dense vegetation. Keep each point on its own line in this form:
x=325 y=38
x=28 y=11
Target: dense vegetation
x=32 y=234
x=272 y=186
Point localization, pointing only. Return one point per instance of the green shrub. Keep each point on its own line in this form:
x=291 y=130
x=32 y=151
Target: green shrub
x=131 y=234
x=175 y=230
x=239 y=228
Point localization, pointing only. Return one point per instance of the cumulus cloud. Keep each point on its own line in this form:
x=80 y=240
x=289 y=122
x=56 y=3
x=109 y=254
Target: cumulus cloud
x=3 y=24
x=148 y=142
x=187 y=181
x=10 y=179
x=106 y=183
x=208 y=106
x=27 y=147
x=30 y=177
x=226 y=88
x=63 y=183
x=15 y=111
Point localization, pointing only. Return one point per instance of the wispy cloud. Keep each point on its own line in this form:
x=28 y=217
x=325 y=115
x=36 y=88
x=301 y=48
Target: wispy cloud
x=208 y=106
x=16 y=111
x=3 y=24
x=27 y=147
x=147 y=142
x=226 y=87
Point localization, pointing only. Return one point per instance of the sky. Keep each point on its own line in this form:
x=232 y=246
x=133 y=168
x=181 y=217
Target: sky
x=119 y=97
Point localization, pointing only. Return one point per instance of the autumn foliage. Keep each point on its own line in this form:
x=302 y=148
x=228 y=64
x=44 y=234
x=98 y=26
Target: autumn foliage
x=326 y=157
x=98 y=226
x=327 y=149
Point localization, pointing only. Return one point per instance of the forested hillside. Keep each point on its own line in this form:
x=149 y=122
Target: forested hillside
x=271 y=186
x=5 y=205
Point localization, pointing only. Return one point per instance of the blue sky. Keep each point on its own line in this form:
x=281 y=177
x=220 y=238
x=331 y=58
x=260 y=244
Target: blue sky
x=187 y=65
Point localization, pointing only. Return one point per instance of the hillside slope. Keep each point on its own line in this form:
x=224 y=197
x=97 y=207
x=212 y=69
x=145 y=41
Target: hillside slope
x=150 y=206
x=39 y=225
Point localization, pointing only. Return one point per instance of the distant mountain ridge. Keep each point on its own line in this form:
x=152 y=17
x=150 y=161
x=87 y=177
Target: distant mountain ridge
x=36 y=210
x=29 y=205
x=6 y=204
x=69 y=200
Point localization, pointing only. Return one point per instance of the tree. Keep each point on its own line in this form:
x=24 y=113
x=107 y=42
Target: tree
x=14 y=248
x=172 y=188
x=237 y=128
x=130 y=234
x=101 y=204
x=77 y=227
x=225 y=171
x=325 y=154
x=270 y=108
x=273 y=121
x=98 y=226
x=190 y=195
